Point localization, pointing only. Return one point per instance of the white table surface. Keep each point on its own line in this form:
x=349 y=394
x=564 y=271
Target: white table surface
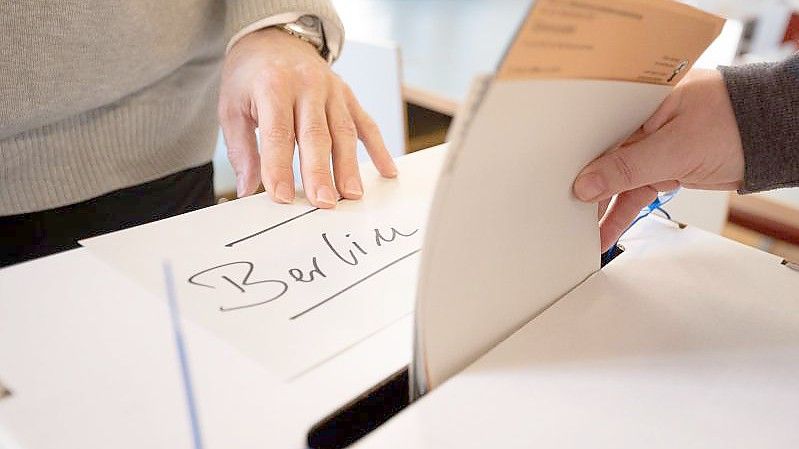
x=91 y=362
x=90 y=358
x=686 y=340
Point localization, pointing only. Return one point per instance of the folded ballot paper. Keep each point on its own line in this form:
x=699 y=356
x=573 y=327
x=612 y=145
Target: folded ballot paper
x=578 y=78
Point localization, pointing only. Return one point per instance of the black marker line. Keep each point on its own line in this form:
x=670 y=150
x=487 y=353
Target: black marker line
x=271 y=227
x=233 y=283
x=236 y=242
x=354 y=284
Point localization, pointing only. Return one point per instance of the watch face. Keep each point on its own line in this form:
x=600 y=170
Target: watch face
x=308 y=21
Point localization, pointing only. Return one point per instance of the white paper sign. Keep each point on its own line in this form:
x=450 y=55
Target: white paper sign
x=291 y=286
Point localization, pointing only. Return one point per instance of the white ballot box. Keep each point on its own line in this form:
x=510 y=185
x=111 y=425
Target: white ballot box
x=88 y=353
x=685 y=340
x=686 y=336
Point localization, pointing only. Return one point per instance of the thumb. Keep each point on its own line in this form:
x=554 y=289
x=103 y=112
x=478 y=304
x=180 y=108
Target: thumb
x=642 y=163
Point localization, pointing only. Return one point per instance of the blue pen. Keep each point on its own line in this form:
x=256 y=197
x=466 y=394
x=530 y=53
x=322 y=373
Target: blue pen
x=661 y=199
x=188 y=389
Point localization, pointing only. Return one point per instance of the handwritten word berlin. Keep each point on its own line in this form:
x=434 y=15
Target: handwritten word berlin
x=239 y=275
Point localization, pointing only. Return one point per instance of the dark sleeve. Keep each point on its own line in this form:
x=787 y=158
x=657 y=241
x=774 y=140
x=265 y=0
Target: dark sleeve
x=765 y=98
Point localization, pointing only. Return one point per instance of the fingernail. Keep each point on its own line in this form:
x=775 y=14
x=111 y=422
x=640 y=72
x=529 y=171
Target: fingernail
x=589 y=186
x=284 y=192
x=240 y=187
x=325 y=195
x=353 y=188
x=392 y=173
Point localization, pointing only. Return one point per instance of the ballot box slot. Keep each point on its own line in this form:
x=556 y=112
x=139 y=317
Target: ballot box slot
x=611 y=254
x=360 y=416
x=377 y=405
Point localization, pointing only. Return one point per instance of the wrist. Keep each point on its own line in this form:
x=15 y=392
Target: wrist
x=309 y=28
x=272 y=39
x=328 y=28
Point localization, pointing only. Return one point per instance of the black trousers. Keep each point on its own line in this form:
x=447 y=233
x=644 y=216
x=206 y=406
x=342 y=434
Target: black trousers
x=36 y=234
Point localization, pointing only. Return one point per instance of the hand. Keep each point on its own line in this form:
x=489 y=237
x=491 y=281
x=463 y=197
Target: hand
x=692 y=140
x=280 y=85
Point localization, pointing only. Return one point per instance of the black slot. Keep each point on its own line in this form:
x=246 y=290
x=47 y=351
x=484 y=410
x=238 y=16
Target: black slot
x=609 y=255
x=364 y=414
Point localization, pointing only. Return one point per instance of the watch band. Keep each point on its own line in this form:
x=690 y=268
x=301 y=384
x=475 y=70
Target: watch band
x=310 y=29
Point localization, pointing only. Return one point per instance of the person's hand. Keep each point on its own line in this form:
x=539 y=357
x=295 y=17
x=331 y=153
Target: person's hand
x=280 y=85
x=691 y=141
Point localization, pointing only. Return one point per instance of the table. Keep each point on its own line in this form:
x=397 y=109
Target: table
x=685 y=340
x=90 y=357
x=774 y=214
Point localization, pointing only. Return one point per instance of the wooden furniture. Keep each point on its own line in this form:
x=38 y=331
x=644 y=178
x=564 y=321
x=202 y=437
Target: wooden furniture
x=764 y=214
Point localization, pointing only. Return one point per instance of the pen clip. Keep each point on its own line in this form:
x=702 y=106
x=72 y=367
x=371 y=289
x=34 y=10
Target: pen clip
x=792 y=265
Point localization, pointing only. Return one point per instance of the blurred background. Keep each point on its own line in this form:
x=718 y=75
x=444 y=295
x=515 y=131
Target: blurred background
x=411 y=63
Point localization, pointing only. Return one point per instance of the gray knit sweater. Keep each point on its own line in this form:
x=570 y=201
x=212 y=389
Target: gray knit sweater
x=98 y=95
x=765 y=98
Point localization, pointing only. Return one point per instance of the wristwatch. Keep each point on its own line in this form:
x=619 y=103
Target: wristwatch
x=309 y=28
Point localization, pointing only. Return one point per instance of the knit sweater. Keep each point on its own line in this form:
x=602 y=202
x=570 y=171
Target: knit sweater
x=99 y=95
x=765 y=99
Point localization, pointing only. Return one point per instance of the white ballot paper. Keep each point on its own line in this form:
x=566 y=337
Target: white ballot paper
x=290 y=285
x=576 y=81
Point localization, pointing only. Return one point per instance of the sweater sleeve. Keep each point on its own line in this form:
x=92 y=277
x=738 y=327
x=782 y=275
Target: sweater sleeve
x=241 y=14
x=765 y=99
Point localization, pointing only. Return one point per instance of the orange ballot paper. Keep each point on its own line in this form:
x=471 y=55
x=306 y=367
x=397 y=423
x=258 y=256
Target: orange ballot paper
x=625 y=40
x=505 y=238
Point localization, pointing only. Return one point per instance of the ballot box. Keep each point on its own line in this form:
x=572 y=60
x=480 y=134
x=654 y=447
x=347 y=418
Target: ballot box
x=684 y=336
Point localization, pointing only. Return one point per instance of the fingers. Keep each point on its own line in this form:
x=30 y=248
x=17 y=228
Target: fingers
x=319 y=113
x=315 y=142
x=646 y=162
x=293 y=97
x=625 y=209
x=609 y=204
x=603 y=207
x=666 y=186
x=631 y=165
x=239 y=133
x=639 y=135
x=369 y=133
x=345 y=138
x=276 y=129
x=665 y=112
